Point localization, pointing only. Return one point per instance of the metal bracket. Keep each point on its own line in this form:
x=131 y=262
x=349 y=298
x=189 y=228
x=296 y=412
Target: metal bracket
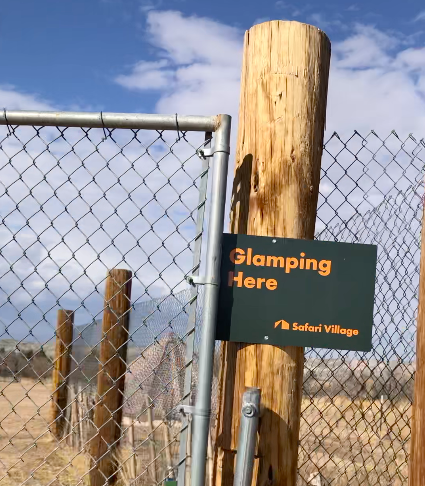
x=209 y=152
x=186 y=409
x=199 y=280
x=191 y=410
x=205 y=152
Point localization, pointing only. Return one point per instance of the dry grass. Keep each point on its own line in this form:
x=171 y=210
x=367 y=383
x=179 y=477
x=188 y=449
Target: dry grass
x=352 y=442
x=28 y=452
x=355 y=442
x=144 y=471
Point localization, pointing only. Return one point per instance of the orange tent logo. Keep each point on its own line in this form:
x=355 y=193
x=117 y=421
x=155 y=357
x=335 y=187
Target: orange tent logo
x=284 y=324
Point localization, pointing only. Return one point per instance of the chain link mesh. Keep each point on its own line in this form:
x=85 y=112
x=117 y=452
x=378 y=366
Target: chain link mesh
x=356 y=409
x=76 y=202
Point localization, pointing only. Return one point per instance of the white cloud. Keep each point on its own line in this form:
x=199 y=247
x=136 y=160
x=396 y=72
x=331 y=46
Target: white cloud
x=367 y=47
x=58 y=212
x=148 y=75
x=193 y=39
x=377 y=82
x=260 y=20
x=376 y=79
x=198 y=65
x=13 y=99
x=374 y=98
x=420 y=16
x=412 y=60
x=85 y=210
x=147 y=5
x=326 y=22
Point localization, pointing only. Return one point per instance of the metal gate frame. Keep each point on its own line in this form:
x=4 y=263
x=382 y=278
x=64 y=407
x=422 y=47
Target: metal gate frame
x=221 y=125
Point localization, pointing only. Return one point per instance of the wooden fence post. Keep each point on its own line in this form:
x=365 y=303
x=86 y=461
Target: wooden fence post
x=417 y=441
x=110 y=383
x=61 y=370
x=275 y=191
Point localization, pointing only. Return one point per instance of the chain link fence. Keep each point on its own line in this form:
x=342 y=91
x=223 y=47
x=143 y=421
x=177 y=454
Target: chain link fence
x=77 y=202
x=356 y=409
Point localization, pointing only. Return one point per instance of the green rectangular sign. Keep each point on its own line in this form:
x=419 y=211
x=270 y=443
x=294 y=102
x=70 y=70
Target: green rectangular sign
x=307 y=293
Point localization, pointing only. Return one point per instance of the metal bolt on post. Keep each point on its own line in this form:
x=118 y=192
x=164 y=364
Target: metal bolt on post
x=247 y=437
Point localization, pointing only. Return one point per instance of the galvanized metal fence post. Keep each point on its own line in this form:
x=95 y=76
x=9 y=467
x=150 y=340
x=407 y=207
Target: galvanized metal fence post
x=202 y=410
x=250 y=414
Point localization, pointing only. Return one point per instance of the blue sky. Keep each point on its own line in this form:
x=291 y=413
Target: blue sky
x=70 y=55
x=181 y=57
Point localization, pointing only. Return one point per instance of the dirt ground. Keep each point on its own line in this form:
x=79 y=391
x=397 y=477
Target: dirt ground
x=30 y=455
x=353 y=442
x=28 y=451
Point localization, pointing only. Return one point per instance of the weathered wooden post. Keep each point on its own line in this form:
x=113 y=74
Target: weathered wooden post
x=417 y=442
x=276 y=183
x=110 y=384
x=61 y=370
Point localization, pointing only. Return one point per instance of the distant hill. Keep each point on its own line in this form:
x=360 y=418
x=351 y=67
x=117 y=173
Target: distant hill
x=9 y=345
x=154 y=322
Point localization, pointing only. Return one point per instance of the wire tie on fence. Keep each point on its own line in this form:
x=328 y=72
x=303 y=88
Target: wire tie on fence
x=178 y=130
x=104 y=128
x=7 y=122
